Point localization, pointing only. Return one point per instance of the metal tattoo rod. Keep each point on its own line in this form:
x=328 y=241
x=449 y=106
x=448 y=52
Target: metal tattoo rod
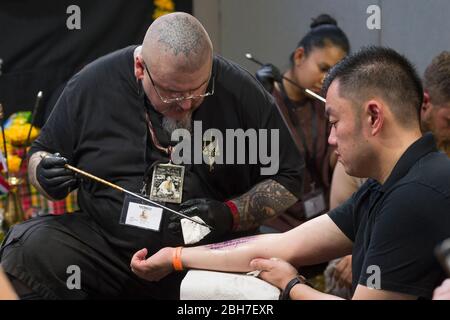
x=311 y=93
x=33 y=115
x=112 y=185
x=33 y=118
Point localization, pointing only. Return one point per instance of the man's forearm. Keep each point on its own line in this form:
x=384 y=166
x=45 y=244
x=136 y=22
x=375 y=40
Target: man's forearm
x=304 y=292
x=232 y=256
x=262 y=202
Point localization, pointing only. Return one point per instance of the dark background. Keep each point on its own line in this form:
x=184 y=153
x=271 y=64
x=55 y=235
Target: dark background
x=40 y=53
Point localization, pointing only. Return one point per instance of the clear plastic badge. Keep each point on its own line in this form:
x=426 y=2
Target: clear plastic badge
x=137 y=213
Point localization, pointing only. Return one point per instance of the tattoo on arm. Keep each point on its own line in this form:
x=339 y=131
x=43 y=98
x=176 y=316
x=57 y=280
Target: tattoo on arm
x=230 y=244
x=263 y=201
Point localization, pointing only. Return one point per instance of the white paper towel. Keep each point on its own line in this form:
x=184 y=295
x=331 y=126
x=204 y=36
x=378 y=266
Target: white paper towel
x=193 y=232
x=212 y=285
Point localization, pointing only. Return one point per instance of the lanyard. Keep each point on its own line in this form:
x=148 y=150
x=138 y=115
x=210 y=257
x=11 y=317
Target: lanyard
x=167 y=150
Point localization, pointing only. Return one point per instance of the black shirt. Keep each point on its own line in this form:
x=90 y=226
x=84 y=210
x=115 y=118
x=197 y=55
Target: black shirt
x=99 y=124
x=396 y=226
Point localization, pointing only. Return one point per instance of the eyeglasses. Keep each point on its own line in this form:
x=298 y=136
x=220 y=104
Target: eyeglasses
x=182 y=98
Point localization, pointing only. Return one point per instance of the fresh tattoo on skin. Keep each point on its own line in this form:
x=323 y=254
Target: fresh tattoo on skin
x=230 y=244
x=263 y=201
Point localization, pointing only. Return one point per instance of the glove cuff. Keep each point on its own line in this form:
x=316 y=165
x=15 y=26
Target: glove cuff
x=235 y=213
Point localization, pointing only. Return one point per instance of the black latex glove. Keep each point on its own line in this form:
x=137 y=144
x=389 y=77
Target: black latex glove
x=267 y=75
x=215 y=213
x=56 y=180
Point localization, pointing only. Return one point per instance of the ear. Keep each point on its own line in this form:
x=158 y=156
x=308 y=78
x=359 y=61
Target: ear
x=139 y=68
x=426 y=105
x=299 y=56
x=374 y=114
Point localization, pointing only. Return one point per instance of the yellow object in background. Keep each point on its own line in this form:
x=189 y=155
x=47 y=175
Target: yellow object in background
x=14 y=163
x=17 y=134
x=162 y=7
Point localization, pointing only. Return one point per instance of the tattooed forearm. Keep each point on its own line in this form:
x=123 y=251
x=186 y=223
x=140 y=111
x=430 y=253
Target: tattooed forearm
x=230 y=244
x=263 y=201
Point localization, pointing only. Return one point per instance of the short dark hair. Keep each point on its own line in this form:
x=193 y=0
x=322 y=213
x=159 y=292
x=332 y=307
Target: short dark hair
x=437 y=78
x=379 y=71
x=324 y=32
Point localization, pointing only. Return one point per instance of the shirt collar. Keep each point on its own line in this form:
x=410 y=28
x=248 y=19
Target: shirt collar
x=417 y=150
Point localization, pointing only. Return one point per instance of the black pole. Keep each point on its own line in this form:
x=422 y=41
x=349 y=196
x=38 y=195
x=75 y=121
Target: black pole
x=33 y=117
x=2 y=122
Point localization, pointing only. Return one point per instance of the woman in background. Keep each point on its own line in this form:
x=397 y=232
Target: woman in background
x=319 y=50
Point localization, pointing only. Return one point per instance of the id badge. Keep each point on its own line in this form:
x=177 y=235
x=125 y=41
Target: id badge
x=138 y=213
x=167 y=183
x=314 y=204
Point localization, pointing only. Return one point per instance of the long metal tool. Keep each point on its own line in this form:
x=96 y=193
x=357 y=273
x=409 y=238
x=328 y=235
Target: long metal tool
x=33 y=118
x=250 y=57
x=112 y=185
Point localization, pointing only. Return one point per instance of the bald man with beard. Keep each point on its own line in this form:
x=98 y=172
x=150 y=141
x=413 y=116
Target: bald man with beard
x=115 y=119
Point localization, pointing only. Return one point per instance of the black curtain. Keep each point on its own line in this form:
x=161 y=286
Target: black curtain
x=39 y=52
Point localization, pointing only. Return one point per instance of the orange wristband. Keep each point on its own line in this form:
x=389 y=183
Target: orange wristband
x=176 y=259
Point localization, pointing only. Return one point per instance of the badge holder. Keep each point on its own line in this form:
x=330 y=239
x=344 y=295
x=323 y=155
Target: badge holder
x=314 y=203
x=137 y=213
x=167 y=183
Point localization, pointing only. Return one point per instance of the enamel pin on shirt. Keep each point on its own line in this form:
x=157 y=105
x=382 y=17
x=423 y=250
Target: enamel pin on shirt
x=210 y=151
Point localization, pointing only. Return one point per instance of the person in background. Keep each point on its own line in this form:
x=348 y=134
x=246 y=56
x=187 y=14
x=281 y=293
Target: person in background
x=435 y=112
x=319 y=50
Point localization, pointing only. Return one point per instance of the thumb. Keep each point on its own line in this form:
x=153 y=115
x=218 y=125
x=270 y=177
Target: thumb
x=139 y=257
x=261 y=264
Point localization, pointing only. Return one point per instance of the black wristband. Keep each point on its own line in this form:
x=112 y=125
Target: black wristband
x=298 y=279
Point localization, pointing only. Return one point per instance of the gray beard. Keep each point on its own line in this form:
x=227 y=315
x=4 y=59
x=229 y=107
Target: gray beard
x=170 y=125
